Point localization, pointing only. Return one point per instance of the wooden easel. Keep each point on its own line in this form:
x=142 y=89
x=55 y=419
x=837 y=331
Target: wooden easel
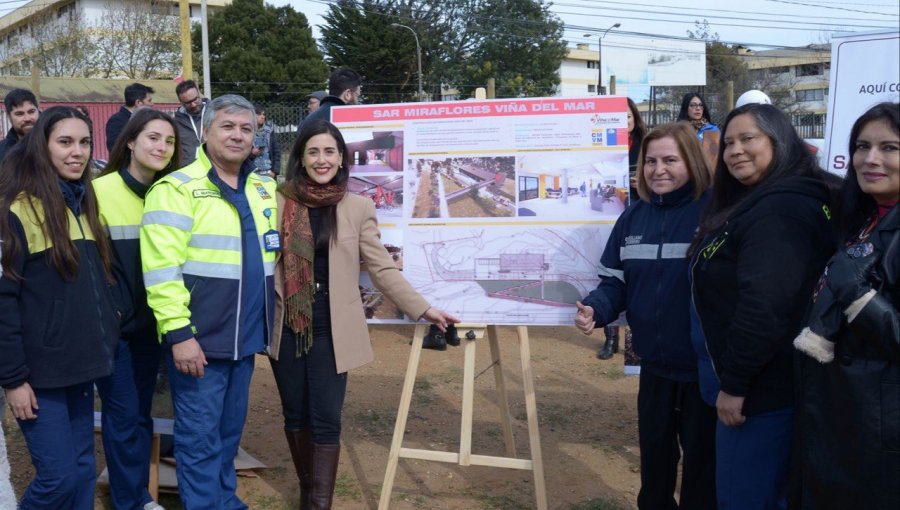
x=465 y=457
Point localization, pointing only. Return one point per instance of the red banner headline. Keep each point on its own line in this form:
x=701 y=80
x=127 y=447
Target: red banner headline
x=495 y=108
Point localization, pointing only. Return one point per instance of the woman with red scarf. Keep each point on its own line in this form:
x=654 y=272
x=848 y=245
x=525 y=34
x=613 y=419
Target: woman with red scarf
x=320 y=325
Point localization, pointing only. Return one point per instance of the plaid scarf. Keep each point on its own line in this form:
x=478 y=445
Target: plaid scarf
x=300 y=251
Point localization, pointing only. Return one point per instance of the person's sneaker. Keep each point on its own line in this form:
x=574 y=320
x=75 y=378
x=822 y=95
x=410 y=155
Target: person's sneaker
x=153 y=505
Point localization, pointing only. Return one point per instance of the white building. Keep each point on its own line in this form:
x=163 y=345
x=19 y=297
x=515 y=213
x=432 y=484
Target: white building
x=578 y=72
x=59 y=27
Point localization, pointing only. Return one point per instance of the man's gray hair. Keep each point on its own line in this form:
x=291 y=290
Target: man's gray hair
x=231 y=103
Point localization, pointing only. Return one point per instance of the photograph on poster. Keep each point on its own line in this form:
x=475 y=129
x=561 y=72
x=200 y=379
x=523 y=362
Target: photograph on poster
x=500 y=275
x=374 y=151
x=481 y=187
x=386 y=191
x=377 y=307
x=572 y=184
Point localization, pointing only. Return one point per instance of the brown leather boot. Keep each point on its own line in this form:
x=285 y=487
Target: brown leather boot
x=324 y=472
x=300 y=444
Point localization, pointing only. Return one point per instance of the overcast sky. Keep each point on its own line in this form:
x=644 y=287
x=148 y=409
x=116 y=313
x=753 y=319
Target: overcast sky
x=756 y=23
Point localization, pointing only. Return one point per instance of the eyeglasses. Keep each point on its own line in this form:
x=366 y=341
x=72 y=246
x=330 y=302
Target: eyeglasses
x=695 y=105
x=191 y=101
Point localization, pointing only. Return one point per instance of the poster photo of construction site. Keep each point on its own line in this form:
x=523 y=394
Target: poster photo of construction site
x=374 y=151
x=385 y=191
x=463 y=187
x=377 y=307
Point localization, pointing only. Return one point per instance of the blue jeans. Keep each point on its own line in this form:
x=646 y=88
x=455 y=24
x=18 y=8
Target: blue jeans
x=753 y=462
x=127 y=397
x=209 y=418
x=61 y=444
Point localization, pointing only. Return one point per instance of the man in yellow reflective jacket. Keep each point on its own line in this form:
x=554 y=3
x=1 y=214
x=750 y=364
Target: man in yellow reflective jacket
x=208 y=245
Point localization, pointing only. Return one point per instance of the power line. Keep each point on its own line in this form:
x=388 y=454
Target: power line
x=827 y=7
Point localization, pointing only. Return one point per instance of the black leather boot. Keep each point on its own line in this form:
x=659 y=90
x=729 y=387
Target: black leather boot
x=611 y=346
x=300 y=444
x=324 y=474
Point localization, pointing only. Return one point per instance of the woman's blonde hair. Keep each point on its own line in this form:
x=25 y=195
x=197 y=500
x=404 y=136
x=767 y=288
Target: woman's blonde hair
x=689 y=149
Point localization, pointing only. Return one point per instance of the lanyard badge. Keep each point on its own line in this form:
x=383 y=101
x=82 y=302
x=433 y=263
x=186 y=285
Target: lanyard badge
x=271 y=238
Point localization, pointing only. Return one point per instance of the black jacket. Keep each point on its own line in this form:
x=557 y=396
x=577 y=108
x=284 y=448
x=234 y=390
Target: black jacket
x=849 y=409
x=54 y=332
x=644 y=270
x=189 y=132
x=11 y=139
x=115 y=125
x=752 y=282
x=324 y=111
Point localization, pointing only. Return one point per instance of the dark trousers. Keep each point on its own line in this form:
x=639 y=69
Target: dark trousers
x=672 y=414
x=127 y=397
x=61 y=444
x=210 y=412
x=312 y=392
x=753 y=462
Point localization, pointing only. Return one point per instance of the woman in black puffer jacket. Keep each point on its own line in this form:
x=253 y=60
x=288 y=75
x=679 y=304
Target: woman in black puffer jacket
x=848 y=412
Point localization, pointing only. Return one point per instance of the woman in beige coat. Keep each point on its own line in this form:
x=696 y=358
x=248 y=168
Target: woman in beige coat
x=320 y=326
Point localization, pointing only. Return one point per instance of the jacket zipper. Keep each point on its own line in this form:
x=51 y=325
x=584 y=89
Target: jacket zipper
x=699 y=319
x=90 y=262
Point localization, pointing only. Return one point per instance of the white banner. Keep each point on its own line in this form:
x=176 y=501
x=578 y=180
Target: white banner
x=865 y=71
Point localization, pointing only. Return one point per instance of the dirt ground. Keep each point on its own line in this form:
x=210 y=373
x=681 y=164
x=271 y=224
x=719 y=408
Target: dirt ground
x=586 y=408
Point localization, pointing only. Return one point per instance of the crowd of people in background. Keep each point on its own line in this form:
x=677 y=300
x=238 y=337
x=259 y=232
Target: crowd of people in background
x=761 y=296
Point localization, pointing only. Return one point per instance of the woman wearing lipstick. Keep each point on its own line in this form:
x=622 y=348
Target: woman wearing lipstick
x=320 y=325
x=848 y=410
x=142 y=154
x=58 y=321
x=761 y=245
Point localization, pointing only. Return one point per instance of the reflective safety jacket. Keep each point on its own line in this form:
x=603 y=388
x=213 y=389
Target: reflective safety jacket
x=121 y=200
x=191 y=254
x=54 y=331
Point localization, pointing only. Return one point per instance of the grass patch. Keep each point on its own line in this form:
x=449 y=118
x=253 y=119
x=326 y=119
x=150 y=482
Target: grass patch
x=374 y=421
x=345 y=486
x=599 y=504
x=487 y=502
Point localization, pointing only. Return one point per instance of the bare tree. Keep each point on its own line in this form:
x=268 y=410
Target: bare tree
x=138 y=39
x=59 y=44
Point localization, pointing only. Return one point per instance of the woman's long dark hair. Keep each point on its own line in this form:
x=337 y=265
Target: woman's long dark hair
x=640 y=128
x=28 y=169
x=120 y=156
x=790 y=157
x=686 y=101
x=296 y=174
x=856 y=206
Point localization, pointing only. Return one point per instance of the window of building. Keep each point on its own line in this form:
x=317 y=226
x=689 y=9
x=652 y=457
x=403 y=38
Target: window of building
x=811 y=95
x=592 y=64
x=66 y=10
x=809 y=70
x=592 y=89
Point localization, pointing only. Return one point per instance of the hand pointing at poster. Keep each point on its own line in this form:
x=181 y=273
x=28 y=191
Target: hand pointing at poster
x=584 y=319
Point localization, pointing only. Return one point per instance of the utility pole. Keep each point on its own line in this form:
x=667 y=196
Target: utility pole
x=418 y=58
x=204 y=31
x=187 y=60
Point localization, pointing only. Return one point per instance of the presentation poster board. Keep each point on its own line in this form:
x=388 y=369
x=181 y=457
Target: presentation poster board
x=856 y=85
x=496 y=211
x=654 y=62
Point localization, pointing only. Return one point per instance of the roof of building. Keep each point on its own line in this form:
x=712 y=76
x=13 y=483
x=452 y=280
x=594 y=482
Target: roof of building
x=34 y=7
x=86 y=90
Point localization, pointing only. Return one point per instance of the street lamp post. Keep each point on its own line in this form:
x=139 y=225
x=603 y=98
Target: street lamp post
x=418 y=57
x=601 y=90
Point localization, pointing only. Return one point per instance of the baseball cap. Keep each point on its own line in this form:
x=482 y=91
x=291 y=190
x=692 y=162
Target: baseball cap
x=319 y=94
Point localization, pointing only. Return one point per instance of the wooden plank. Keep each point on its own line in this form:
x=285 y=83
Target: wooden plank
x=502 y=398
x=468 y=398
x=534 y=437
x=402 y=413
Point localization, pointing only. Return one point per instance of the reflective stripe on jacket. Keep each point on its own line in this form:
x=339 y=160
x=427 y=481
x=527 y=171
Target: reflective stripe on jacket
x=121 y=206
x=192 y=260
